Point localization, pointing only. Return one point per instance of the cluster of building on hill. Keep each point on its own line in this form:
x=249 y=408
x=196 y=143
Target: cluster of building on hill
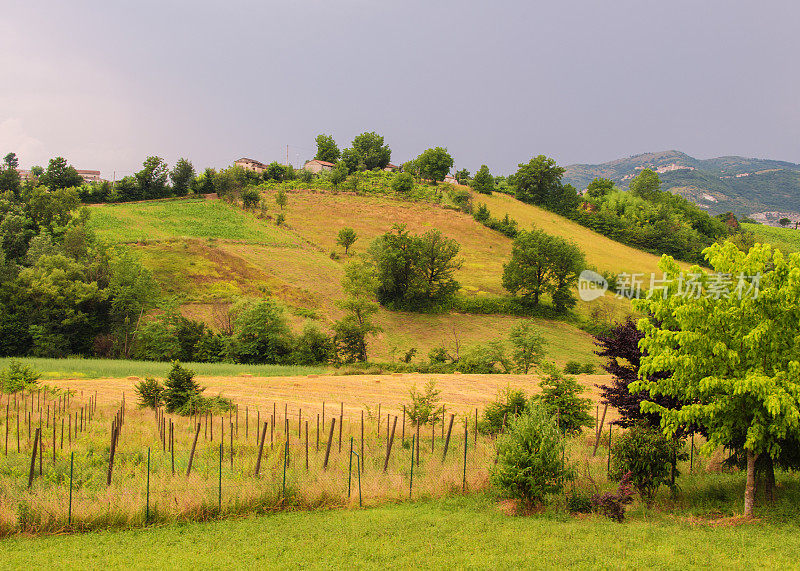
x=86 y=175
x=316 y=166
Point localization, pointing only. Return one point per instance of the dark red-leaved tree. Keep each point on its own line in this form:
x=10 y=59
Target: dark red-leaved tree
x=620 y=348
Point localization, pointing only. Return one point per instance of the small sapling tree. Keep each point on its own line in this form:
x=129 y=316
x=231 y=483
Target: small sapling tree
x=529 y=457
x=560 y=396
x=179 y=388
x=346 y=238
x=425 y=407
x=281 y=199
x=527 y=347
x=150 y=393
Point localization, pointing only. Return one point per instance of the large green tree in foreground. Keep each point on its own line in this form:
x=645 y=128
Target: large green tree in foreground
x=732 y=352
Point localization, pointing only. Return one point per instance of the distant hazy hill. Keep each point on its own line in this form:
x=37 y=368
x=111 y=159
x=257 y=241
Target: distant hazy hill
x=744 y=186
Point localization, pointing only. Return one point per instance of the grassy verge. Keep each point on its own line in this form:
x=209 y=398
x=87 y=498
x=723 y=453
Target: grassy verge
x=450 y=533
x=77 y=368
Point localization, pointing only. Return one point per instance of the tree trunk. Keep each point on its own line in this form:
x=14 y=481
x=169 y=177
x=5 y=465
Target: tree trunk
x=750 y=486
x=769 y=480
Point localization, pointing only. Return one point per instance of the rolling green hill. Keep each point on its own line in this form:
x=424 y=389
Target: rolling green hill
x=207 y=252
x=741 y=185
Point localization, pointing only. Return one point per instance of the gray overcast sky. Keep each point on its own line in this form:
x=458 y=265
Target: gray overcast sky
x=107 y=83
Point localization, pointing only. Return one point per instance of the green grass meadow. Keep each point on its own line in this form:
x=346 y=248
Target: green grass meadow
x=78 y=368
x=785 y=239
x=184 y=218
x=455 y=532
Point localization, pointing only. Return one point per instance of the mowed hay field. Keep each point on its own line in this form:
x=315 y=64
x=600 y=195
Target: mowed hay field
x=157 y=478
x=206 y=252
x=460 y=394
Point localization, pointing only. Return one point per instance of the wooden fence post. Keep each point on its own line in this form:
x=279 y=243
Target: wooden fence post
x=330 y=441
x=599 y=430
x=194 y=446
x=114 y=430
x=389 y=447
x=476 y=427
x=172 y=445
x=447 y=441
x=33 y=457
x=261 y=447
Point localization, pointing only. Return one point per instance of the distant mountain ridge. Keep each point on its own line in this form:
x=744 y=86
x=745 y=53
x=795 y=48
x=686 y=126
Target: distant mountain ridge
x=742 y=185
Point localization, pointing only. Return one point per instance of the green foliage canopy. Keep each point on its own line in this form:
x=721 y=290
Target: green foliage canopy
x=735 y=358
x=541 y=263
x=327 y=150
x=435 y=163
x=483 y=181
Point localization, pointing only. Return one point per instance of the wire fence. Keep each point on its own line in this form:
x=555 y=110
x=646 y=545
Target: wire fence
x=68 y=464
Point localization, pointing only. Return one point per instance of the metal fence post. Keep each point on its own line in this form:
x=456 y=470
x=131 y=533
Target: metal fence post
x=147 y=508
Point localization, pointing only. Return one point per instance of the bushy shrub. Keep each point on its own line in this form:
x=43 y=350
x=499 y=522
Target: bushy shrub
x=612 y=504
x=156 y=342
x=645 y=455
x=438 y=355
x=579 y=503
x=280 y=219
x=173 y=337
x=408 y=355
x=506 y=225
x=198 y=404
x=588 y=368
x=179 y=388
x=509 y=404
x=482 y=213
x=561 y=397
x=484 y=360
x=305 y=176
x=461 y=199
x=210 y=348
x=572 y=367
x=313 y=347
x=250 y=198
x=424 y=407
x=261 y=333
x=150 y=393
x=529 y=457
x=18 y=377
x=403 y=183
